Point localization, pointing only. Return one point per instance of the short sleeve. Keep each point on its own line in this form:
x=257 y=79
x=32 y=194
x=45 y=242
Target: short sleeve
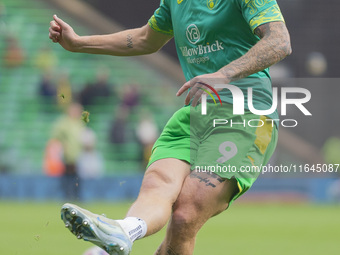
x=160 y=21
x=258 y=12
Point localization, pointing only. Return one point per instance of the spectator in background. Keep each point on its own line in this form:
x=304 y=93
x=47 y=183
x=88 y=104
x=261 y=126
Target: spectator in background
x=47 y=88
x=147 y=133
x=100 y=89
x=14 y=55
x=131 y=96
x=46 y=59
x=90 y=162
x=117 y=134
x=53 y=159
x=85 y=95
x=68 y=130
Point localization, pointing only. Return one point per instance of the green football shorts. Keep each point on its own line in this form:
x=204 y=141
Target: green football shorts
x=231 y=146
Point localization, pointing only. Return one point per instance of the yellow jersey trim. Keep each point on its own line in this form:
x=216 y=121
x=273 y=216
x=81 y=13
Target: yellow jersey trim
x=153 y=24
x=263 y=135
x=269 y=15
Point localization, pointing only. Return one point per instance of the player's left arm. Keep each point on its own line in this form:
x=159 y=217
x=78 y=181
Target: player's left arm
x=272 y=48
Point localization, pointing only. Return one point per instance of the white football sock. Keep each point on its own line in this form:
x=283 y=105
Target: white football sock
x=134 y=227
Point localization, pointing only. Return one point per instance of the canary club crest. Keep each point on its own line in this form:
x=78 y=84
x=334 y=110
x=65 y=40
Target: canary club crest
x=211 y=4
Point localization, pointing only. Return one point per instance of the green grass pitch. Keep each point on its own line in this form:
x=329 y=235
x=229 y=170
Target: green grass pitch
x=29 y=228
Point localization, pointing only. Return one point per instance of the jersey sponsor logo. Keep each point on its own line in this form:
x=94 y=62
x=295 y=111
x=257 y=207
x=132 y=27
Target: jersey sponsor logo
x=201 y=49
x=193 y=34
x=179 y=1
x=211 y=4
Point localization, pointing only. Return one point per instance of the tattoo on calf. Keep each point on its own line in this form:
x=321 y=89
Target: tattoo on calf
x=170 y=251
x=129 y=41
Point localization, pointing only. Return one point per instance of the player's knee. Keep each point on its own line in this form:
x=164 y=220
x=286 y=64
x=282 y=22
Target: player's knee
x=187 y=211
x=184 y=223
x=182 y=218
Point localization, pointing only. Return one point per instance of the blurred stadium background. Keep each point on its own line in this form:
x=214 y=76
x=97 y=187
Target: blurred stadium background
x=290 y=214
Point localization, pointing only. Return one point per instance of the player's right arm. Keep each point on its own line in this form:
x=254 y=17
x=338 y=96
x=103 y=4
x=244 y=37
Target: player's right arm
x=131 y=42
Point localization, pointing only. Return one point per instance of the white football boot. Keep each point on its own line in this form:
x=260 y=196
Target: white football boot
x=97 y=229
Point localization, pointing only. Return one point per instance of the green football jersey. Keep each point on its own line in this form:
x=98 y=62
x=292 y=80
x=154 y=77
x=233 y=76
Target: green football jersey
x=210 y=34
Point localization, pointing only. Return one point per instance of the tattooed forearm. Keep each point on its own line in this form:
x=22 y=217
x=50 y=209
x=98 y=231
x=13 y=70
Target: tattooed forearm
x=170 y=251
x=129 y=41
x=272 y=48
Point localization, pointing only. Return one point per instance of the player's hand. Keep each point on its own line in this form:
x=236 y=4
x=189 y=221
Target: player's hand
x=63 y=33
x=199 y=84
